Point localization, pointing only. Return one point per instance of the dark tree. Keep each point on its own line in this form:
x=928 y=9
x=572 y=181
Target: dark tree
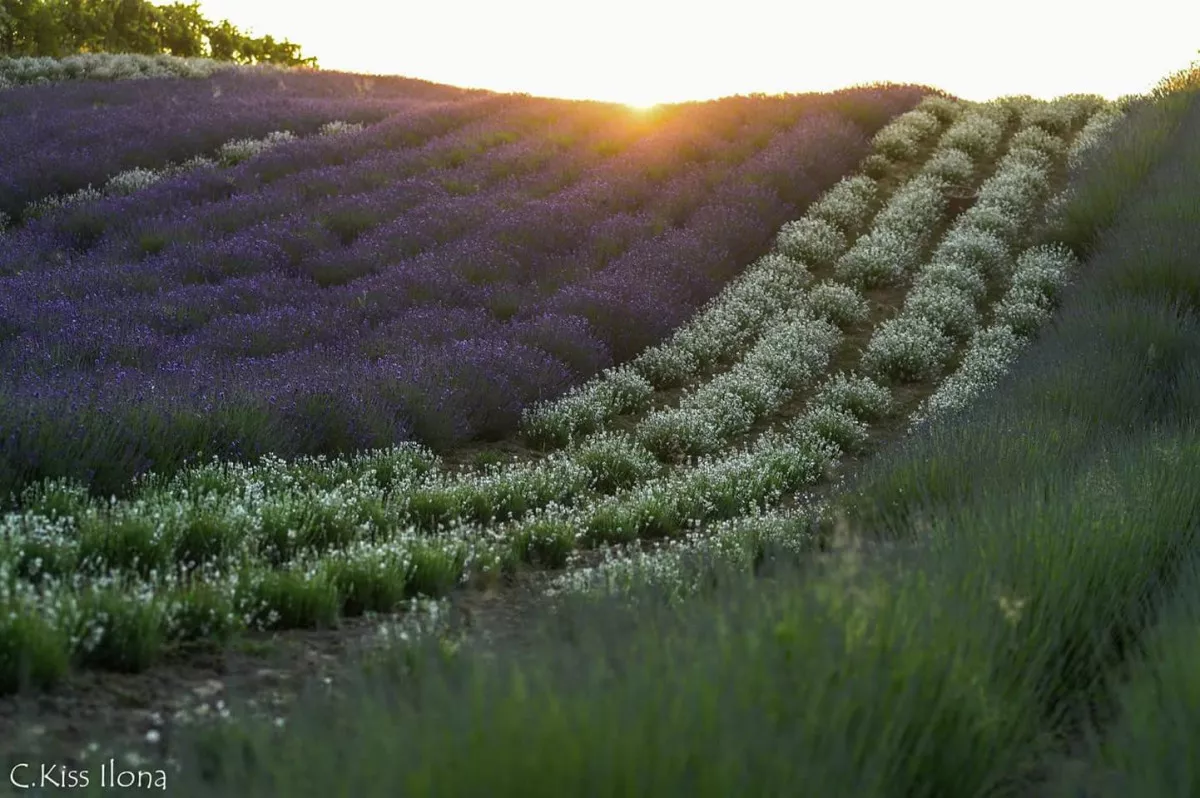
x=64 y=27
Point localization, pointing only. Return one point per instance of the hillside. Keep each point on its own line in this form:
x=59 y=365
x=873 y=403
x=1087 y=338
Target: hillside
x=460 y=257
x=833 y=439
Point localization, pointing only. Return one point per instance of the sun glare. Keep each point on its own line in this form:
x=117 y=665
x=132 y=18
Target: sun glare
x=646 y=52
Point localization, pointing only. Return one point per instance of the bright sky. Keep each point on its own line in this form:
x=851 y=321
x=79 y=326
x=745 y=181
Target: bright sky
x=647 y=51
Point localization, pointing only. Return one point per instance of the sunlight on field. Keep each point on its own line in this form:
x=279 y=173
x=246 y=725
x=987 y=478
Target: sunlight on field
x=656 y=51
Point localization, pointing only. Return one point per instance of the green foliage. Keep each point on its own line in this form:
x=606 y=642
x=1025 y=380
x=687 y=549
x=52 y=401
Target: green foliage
x=58 y=28
x=1115 y=169
x=1182 y=81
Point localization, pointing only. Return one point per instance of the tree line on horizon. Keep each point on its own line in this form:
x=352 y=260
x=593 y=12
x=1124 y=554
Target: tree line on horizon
x=59 y=28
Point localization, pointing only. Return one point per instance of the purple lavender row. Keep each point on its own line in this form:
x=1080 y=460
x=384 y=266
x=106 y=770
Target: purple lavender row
x=85 y=331
x=113 y=227
x=58 y=139
x=542 y=229
x=636 y=300
x=159 y=213
x=522 y=241
x=83 y=328
x=65 y=316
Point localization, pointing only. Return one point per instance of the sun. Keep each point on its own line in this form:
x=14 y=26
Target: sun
x=642 y=106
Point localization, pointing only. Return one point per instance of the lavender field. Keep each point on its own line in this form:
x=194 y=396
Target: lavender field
x=841 y=439
x=442 y=262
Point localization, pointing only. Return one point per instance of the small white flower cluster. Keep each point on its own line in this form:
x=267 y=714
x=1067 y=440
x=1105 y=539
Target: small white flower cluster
x=107 y=66
x=718 y=486
x=954 y=274
x=849 y=205
x=979 y=249
x=340 y=128
x=1061 y=114
x=132 y=180
x=951 y=308
x=234 y=152
x=901 y=139
x=1038 y=138
x=674 y=432
x=498 y=494
x=866 y=399
x=422 y=618
x=975 y=133
x=837 y=303
x=680 y=565
x=51 y=204
x=946 y=110
x=1040 y=274
x=834 y=424
x=616 y=460
x=914 y=208
x=908 y=348
x=812 y=241
x=950 y=165
x=901 y=231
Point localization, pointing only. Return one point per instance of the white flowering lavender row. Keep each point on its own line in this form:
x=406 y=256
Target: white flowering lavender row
x=744 y=307
x=944 y=306
x=679 y=564
x=1093 y=134
x=901 y=140
x=218 y=515
x=837 y=414
x=1097 y=129
x=896 y=242
x=732 y=402
x=841 y=421
x=124 y=620
x=756 y=476
x=788 y=357
x=230 y=153
x=729 y=404
x=1039 y=277
x=1062 y=114
x=976 y=133
x=585 y=408
x=239 y=577
x=724 y=509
